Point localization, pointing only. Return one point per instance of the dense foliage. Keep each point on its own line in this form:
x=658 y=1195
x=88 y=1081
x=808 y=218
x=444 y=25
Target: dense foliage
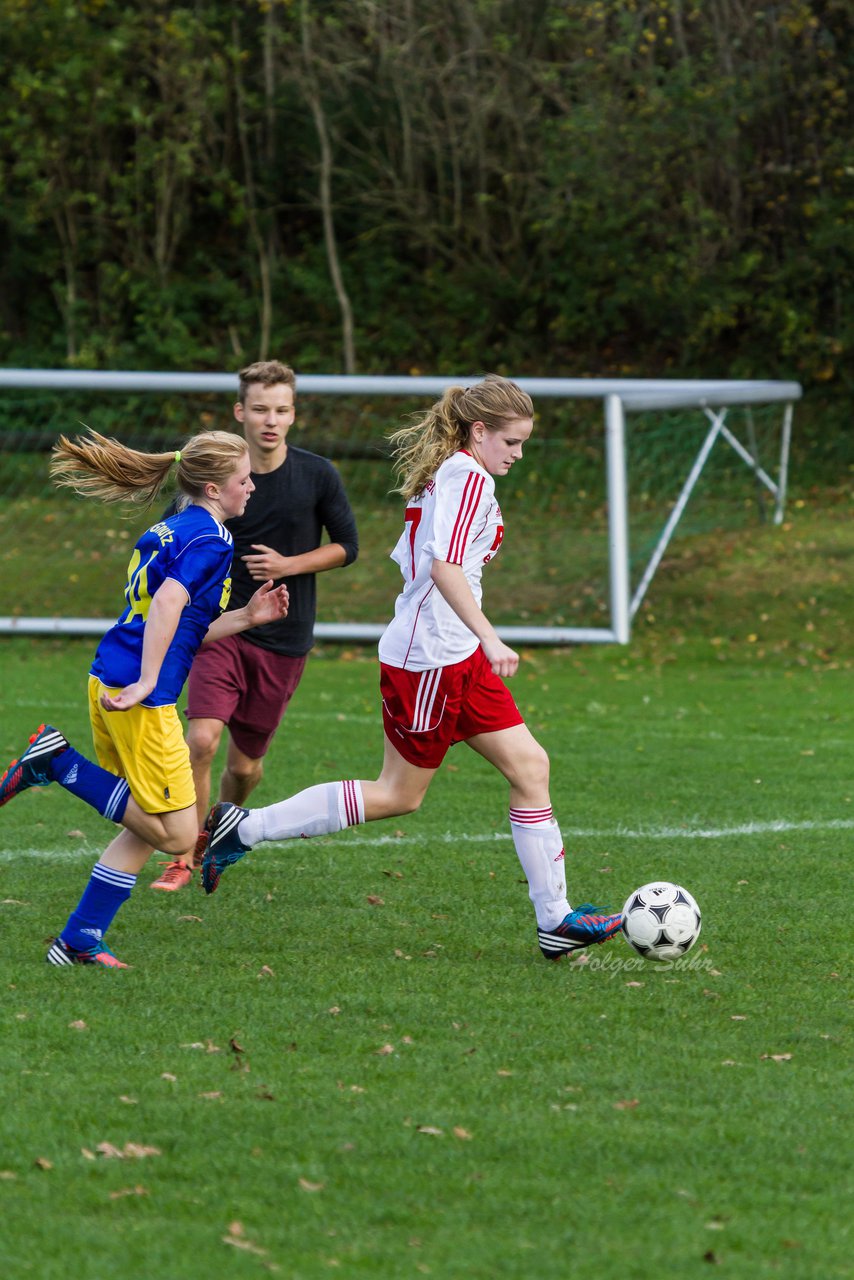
x=640 y=186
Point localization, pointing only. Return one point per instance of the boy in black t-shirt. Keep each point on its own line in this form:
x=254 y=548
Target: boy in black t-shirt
x=241 y=684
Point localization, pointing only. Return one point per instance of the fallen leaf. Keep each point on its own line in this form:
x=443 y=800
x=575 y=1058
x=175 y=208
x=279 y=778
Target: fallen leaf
x=235 y=1047
x=198 y=919
x=739 y=1017
x=109 y=1152
x=167 y=1075
x=501 y=1072
x=311 y=1186
x=462 y=1134
x=246 y=1245
x=130 y=1151
x=635 y=984
x=385 y=1050
x=42 y=1163
x=429 y=1129
x=212 y=1095
x=265 y=972
x=6 y=1175
x=78 y=1025
x=775 y=1057
x=375 y=900
x=87 y=1154
x=334 y=1010
x=14 y=902
x=123 y=1097
x=626 y=1104
x=729 y=1062
x=128 y=1191
x=711 y=1256
x=76 y=834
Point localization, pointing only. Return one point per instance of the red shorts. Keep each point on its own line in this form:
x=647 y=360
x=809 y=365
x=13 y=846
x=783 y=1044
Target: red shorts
x=246 y=687
x=426 y=712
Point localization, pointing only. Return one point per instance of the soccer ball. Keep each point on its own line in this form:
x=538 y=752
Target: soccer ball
x=661 y=921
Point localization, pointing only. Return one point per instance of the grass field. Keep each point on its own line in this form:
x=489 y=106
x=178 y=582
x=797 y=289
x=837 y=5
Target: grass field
x=352 y=1060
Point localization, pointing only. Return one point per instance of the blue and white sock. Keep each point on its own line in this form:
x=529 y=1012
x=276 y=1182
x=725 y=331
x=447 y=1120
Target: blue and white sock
x=106 y=891
x=104 y=791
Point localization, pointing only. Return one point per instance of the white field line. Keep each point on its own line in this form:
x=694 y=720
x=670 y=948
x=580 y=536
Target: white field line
x=363 y=840
x=578 y=725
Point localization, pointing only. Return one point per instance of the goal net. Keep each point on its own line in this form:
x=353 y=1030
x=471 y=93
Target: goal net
x=615 y=470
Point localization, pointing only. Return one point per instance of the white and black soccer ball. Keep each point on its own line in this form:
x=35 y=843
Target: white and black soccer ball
x=661 y=921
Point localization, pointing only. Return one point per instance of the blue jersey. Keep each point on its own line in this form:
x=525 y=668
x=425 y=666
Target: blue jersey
x=194 y=549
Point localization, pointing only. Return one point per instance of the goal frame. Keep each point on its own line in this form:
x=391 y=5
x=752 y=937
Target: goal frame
x=620 y=396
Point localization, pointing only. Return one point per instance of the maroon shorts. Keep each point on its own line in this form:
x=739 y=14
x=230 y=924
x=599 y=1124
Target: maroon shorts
x=426 y=712
x=246 y=687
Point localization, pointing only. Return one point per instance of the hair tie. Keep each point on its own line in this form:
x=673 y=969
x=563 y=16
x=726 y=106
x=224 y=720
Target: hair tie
x=177 y=455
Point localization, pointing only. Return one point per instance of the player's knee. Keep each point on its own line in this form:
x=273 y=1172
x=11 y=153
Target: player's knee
x=534 y=767
x=179 y=836
x=395 y=803
x=203 y=743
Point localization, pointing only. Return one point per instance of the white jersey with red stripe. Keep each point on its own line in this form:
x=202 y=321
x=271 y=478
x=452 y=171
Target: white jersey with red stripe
x=455 y=519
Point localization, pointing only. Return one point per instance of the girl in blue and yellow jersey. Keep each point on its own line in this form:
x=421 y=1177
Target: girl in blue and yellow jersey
x=177 y=587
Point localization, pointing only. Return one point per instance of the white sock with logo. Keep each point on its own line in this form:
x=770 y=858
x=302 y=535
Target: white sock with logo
x=317 y=811
x=539 y=846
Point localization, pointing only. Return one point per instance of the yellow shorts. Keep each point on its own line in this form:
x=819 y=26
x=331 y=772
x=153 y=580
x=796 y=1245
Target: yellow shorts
x=145 y=745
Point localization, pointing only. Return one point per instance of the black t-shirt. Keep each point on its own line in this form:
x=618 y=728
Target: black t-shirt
x=288 y=511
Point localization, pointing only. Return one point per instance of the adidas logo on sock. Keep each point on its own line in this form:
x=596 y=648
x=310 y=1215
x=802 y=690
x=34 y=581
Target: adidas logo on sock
x=71 y=776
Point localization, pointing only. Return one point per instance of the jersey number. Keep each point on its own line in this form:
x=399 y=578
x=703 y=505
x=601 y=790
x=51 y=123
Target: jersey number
x=412 y=518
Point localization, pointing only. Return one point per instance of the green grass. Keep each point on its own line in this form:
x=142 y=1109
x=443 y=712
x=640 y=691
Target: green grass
x=271 y=1005
x=352 y=1060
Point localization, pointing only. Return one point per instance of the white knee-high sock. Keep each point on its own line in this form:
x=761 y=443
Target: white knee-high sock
x=539 y=846
x=317 y=811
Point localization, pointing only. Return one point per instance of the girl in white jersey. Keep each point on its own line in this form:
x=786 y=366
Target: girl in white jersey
x=442 y=665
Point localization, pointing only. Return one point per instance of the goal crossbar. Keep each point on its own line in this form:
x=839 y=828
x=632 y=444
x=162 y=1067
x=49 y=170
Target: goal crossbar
x=714 y=398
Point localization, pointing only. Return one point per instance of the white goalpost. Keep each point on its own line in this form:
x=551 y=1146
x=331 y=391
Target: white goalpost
x=620 y=397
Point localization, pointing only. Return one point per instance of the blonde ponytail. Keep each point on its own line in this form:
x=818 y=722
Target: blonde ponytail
x=420 y=448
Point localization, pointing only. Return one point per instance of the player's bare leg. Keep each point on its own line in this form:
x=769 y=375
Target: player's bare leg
x=240 y=776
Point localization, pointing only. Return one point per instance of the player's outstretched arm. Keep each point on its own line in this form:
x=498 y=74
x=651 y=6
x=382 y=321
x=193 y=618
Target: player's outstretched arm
x=268 y=604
